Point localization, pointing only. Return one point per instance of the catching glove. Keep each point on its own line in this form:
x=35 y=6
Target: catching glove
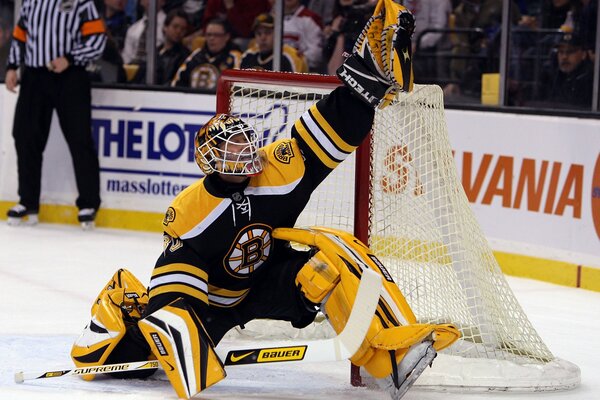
x=381 y=61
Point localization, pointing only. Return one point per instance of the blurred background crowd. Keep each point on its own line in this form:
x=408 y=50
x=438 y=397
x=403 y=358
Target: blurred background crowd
x=457 y=44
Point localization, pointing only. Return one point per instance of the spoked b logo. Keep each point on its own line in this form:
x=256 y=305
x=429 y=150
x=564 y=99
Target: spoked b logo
x=249 y=250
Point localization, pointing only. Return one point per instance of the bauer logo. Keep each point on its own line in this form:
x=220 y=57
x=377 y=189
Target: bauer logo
x=380 y=265
x=278 y=354
x=596 y=196
x=159 y=344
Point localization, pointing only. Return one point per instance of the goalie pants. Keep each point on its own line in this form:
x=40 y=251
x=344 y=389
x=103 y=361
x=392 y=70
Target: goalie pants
x=69 y=93
x=272 y=296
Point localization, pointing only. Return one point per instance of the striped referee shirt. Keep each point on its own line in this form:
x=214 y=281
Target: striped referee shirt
x=49 y=29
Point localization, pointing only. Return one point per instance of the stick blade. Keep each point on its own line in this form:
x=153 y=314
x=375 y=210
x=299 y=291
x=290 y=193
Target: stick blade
x=19 y=377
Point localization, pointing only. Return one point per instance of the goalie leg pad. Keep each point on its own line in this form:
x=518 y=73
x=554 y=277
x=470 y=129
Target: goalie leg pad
x=116 y=309
x=184 y=349
x=394 y=328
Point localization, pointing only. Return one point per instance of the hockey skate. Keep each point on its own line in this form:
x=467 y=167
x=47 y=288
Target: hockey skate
x=86 y=218
x=409 y=369
x=21 y=215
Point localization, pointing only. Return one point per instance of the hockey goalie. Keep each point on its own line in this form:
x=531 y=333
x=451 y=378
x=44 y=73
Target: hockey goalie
x=227 y=257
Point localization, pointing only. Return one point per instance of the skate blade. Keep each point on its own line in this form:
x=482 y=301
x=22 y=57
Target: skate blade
x=424 y=359
x=87 y=225
x=28 y=220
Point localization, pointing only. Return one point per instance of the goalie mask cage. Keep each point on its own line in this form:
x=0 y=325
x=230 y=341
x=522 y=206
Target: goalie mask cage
x=400 y=194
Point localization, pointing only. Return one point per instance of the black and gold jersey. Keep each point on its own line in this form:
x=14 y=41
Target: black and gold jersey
x=201 y=70
x=218 y=236
x=291 y=60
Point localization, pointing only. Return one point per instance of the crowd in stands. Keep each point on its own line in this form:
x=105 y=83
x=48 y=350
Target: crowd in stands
x=455 y=42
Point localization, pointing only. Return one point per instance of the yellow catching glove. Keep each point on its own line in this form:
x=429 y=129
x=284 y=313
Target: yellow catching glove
x=381 y=61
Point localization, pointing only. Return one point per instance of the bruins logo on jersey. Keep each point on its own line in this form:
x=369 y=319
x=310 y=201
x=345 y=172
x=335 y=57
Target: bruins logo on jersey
x=169 y=216
x=204 y=76
x=173 y=244
x=284 y=152
x=249 y=251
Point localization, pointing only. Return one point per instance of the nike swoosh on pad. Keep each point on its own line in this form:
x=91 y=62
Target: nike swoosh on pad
x=235 y=358
x=170 y=366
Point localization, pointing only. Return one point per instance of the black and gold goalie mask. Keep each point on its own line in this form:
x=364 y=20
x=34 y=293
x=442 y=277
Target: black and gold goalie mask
x=227 y=145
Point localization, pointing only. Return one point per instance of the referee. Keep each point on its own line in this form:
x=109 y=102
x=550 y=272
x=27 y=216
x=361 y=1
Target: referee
x=55 y=39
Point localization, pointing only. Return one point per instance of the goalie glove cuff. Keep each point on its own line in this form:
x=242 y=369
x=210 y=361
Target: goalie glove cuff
x=370 y=88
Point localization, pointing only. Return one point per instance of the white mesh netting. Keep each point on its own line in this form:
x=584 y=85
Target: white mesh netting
x=422 y=227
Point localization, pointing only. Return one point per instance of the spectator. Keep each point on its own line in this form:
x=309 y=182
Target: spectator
x=109 y=68
x=587 y=23
x=239 y=13
x=116 y=21
x=342 y=32
x=429 y=14
x=324 y=8
x=4 y=44
x=475 y=53
x=54 y=78
x=195 y=11
x=134 y=50
x=172 y=53
x=202 y=68
x=559 y=14
x=131 y=9
x=260 y=55
x=302 y=29
x=570 y=84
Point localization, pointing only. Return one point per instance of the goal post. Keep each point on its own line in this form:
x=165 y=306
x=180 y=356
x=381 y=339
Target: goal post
x=400 y=194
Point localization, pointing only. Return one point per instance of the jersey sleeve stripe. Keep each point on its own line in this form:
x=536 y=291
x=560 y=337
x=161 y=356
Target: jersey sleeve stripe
x=222 y=301
x=322 y=122
x=324 y=138
x=180 y=268
x=321 y=137
x=314 y=146
x=180 y=288
x=273 y=190
x=206 y=222
x=179 y=278
x=20 y=34
x=92 y=27
x=226 y=292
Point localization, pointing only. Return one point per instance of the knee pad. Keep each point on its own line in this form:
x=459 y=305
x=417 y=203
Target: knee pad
x=118 y=306
x=331 y=278
x=180 y=343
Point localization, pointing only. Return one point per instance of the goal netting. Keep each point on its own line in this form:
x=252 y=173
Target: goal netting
x=400 y=193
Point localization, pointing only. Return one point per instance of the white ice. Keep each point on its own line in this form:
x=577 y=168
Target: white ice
x=50 y=274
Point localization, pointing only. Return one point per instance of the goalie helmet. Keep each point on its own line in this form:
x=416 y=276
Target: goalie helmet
x=227 y=145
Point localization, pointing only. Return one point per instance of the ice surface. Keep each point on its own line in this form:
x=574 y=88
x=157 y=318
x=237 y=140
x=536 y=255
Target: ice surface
x=50 y=274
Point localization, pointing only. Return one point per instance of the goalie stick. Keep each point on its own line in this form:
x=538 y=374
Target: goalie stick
x=341 y=347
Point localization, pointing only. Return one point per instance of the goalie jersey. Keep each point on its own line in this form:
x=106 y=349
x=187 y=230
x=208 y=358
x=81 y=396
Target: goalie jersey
x=217 y=235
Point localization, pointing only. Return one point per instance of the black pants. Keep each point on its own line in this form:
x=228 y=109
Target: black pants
x=69 y=94
x=274 y=295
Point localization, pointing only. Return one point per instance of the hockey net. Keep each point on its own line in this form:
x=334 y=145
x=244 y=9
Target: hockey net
x=400 y=193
